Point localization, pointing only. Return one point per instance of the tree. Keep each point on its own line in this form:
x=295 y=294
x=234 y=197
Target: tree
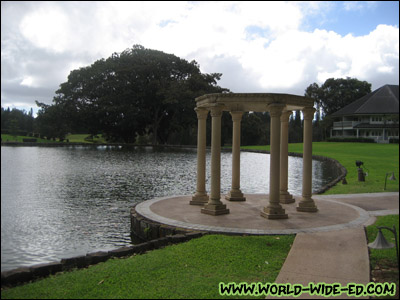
x=18 y=121
x=332 y=96
x=335 y=94
x=52 y=121
x=135 y=92
x=255 y=127
x=295 y=128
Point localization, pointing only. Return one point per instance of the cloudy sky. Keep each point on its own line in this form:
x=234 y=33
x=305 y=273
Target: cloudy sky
x=277 y=47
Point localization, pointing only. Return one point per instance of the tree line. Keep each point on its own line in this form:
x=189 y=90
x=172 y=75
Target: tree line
x=147 y=96
x=17 y=122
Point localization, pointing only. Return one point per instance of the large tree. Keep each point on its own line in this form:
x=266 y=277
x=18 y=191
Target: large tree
x=335 y=94
x=139 y=90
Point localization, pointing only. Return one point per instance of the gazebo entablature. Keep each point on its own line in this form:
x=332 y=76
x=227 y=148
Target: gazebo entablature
x=280 y=107
x=257 y=102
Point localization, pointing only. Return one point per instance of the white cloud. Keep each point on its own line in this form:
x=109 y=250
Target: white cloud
x=258 y=46
x=27 y=81
x=359 y=5
x=46 y=27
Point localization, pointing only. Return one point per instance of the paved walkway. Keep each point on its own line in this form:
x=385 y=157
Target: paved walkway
x=330 y=245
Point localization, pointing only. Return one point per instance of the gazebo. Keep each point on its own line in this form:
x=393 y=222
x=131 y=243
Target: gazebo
x=280 y=107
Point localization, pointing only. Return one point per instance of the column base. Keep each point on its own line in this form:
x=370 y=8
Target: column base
x=286 y=198
x=274 y=213
x=235 y=195
x=199 y=200
x=307 y=205
x=215 y=209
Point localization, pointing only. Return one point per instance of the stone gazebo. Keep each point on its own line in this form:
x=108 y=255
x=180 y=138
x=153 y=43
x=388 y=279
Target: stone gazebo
x=280 y=107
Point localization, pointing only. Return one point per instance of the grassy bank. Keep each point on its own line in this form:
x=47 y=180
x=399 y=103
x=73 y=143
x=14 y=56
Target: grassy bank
x=192 y=269
x=189 y=270
x=379 y=159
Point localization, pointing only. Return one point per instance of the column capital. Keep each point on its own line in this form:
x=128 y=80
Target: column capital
x=201 y=112
x=308 y=113
x=285 y=116
x=216 y=111
x=275 y=109
x=236 y=115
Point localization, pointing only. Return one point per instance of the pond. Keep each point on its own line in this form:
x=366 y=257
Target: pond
x=59 y=202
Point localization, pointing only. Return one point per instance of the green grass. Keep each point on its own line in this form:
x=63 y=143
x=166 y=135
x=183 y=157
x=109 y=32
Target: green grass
x=379 y=159
x=188 y=270
x=80 y=138
x=19 y=138
x=73 y=138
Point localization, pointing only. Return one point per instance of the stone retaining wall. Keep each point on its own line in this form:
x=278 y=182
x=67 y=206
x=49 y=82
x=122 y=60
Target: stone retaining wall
x=26 y=274
x=145 y=229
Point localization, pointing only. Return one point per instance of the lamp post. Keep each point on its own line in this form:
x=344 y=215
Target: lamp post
x=391 y=178
x=381 y=243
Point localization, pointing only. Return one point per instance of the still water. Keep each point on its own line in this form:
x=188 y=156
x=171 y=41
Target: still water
x=59 y=202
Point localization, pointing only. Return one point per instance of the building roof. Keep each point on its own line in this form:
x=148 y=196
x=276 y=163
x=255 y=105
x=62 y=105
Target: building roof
x=384 y=100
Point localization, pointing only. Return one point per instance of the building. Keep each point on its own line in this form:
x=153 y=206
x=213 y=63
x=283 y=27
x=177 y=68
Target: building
x=375 y=116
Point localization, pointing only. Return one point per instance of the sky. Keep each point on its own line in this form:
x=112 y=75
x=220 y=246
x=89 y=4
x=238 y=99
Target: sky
x=259 y=47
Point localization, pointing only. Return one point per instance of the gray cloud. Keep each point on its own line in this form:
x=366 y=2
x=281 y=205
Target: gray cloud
x=241 y=45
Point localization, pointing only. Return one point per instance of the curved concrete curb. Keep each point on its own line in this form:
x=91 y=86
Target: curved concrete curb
x=144 y=211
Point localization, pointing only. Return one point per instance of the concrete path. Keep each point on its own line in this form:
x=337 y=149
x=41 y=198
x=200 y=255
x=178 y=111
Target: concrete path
x=336 y=256
x=331 y=257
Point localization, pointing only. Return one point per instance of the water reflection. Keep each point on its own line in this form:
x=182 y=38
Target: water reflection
x=63 y=202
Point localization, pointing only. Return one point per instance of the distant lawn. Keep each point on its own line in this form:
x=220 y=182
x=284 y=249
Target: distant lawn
x=19 y=138
x=83 y=138
x=379 y=159
x=73 y=138
x=188 y=270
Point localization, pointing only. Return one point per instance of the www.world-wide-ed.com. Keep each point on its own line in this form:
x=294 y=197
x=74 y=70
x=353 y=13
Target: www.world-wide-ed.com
x=295 y=290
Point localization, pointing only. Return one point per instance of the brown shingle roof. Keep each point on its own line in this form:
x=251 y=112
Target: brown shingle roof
x=384 y=100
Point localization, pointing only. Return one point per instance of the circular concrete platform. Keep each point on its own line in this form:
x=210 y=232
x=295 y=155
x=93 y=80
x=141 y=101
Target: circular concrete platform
x=245 y=218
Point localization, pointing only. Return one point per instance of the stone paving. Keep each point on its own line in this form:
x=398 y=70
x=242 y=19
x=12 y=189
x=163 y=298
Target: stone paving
x=330 y=244
x=335 y=212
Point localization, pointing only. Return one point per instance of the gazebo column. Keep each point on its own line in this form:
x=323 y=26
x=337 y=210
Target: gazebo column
x=236 y=194
x=214 y=205
x=285 y=196
x=274 y=210
x=307 y=203
x=201 y=197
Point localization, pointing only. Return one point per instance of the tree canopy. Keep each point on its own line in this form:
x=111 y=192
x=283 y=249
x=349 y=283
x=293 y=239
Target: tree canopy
x=144 y=93
x=332 y=96
x=131 y=93
x=335 y=94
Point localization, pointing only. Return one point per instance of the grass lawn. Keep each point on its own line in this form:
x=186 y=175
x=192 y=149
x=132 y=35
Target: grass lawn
x=80 y=138
x=379 y=159
x=188 y=270
x=73 y=138
x=19 y=138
